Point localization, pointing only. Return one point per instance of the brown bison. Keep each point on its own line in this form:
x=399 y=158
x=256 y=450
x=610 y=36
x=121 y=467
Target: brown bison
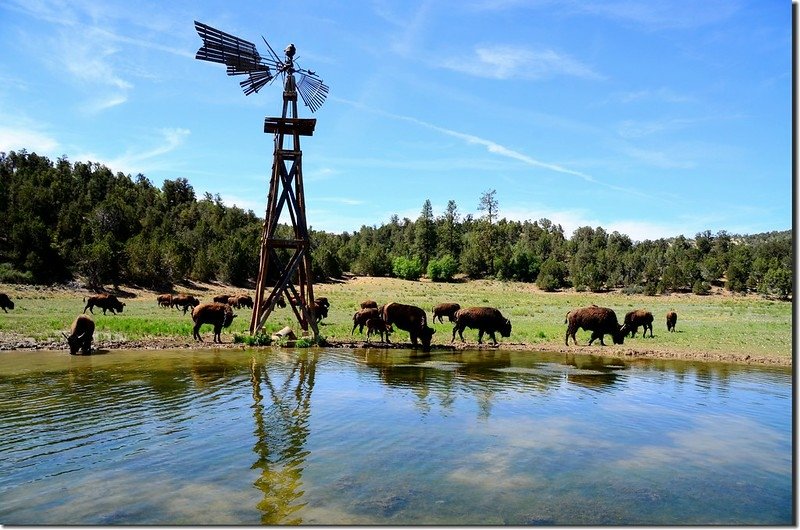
x=484 y=319
x=164 y=300
x=105 y=302
x=184 y=301
x=218 y=315
x=237 y=301
x=672 y=319
x=5 y=302
x=321 y=309
x=447 y=309
x=222 y=298
x=379 y=326
x=412 y=319
x=80 y=335
x=636 y=318
x=361 y=316
x=599 y=320
x=366 y=304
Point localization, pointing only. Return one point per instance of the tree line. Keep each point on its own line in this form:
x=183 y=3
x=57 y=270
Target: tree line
x=64 y=220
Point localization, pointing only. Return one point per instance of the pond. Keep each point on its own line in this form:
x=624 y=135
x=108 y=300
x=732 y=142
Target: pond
x=371 y=436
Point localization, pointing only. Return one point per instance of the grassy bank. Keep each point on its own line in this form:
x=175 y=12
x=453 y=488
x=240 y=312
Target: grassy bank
x=715 y=327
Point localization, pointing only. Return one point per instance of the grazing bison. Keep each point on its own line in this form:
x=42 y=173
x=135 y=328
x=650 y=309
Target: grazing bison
x=599 y=320
x=484 y=319
x=447 y=309
x=184 y=301
x=672 y=319
x=379 y=326
x=412 y=319
x=366 y=304
x=222 y=298
x=80 y=335
x=164 y=300
x=5 y=302
x=105 y=302
x=218 y=315
x=636 y=318
x=237 y=301
x=361 y=316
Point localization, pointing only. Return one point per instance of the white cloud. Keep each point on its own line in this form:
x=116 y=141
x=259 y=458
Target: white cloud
x=507 y=62
x=142 y=160
x=15 y=139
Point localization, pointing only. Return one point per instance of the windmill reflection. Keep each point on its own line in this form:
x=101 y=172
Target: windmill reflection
x=281 y=430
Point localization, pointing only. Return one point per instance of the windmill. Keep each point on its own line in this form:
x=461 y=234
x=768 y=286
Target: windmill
x=286 y=182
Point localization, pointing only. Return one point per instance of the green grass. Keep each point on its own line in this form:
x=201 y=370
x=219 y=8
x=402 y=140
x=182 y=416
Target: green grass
x=724 y=324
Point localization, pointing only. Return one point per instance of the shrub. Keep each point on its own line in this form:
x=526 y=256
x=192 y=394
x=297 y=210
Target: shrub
x=442 y=270
x=8 y=274
x=407 y=269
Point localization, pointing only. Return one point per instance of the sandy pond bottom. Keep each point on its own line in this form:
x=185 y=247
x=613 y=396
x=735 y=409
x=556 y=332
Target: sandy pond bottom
x=365 y=436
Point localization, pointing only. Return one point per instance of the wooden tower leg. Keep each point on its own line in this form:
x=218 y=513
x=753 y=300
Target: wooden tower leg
x=286 y=189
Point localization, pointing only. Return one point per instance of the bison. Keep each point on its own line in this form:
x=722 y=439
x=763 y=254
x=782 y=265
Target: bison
x=484 y=319
x=366 y=304
x=412 y=319
x=105 y=302
x=164 y=300
x=244 y=300
x=379 y=326
x=80 y=335
x=218 y=315
x=321 y=309
x=5 y=302
x=361 y=316
x=222 y=298
x=672 y=319
x=184 y=301
x=599 y=320
x=636 y=318
x=447 y=309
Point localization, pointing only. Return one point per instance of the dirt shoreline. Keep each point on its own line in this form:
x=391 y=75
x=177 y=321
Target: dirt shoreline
x=162 y=343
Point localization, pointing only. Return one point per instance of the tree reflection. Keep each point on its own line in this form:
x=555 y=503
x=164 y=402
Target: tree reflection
x=281 y=430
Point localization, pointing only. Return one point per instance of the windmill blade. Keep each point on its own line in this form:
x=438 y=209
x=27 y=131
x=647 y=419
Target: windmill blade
x=256 y=81
x=239 y=55
x=312 y=90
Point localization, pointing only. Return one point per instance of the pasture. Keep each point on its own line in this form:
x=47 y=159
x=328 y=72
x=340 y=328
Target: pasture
x=719 y=326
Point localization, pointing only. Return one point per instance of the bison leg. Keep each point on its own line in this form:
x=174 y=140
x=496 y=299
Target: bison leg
x=196 y=332
x=217 y=331
x=480 y=336
x=89 y=307
x=651 y=330
x=494 y=339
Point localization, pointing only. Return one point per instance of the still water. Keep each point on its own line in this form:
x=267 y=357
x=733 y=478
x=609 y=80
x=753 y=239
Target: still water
x=337 y=436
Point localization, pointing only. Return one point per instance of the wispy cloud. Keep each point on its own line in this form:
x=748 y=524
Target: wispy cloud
x=143 y=160
x=654 y=95
x=507 y=62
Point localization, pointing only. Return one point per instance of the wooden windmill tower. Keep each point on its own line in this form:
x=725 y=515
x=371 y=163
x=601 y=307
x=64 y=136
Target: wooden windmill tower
x=286 y=181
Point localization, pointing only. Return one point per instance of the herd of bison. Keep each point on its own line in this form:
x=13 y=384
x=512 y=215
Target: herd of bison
x=378 y=320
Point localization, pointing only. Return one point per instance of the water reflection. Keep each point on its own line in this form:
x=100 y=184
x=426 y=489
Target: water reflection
x=281 y=431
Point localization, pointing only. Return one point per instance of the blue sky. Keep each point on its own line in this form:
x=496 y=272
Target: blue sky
x=651 y=118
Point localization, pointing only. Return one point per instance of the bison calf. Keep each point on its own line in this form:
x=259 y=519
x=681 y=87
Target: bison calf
x=484 y=319
x=672 y=319
x=361 y=316
x=222 y=298
x=447 y=309
x=80 y=335
x=105 y=302
x=636 y=318
x=5 y=302
x=599 y=320
x=218 y=315
x=412 y=319
x=379 y=326
x=366 y=304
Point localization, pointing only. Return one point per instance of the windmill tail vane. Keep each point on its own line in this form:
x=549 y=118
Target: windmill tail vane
x=242 y=58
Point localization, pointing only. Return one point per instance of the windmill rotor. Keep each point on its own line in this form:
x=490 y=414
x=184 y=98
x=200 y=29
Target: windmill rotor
x=241 y=57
